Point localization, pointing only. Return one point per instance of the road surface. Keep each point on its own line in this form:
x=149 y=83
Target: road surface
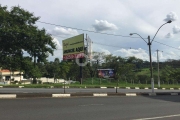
x=92 y=108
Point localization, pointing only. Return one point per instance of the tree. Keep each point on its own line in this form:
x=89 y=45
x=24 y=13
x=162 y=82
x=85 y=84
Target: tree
x=19 y=33
x=28 y=68
x=15 y=25
x=53 y=69
x=65 y=68
x=136 y=61
x=98 y=59
x=122 y=68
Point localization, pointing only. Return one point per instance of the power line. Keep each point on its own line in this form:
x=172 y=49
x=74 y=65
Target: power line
x=167 y=45
x=117 y=46
x=86 y=30
x=96 y=43
x=111 y=45
x=171 y=54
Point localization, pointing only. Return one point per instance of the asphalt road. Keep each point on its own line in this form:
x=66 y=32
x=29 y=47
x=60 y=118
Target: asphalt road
x=76 y=90
x=91 y=108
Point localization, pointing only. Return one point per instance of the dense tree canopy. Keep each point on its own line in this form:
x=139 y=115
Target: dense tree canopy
x=18 y=33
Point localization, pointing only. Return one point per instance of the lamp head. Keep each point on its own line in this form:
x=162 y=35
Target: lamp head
x=169 y=21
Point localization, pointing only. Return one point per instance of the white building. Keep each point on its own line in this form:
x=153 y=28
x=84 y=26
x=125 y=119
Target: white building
x=7 y=75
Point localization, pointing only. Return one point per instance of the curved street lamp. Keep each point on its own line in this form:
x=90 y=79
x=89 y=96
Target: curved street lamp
x=150 y=58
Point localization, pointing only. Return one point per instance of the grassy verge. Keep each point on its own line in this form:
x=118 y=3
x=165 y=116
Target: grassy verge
x=93 y=83
x=112 y=85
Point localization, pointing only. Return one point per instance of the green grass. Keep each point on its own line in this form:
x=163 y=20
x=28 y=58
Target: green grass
x=146 y=71
x=121 y=85
x=96 y=84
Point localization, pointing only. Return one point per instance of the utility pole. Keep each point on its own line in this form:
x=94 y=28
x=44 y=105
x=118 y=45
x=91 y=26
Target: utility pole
x=159 y=83
x=81 y=61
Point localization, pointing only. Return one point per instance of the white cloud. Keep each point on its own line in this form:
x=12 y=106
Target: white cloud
x=107 y=52
x=57 y=52
x=63 y=31
x=169 y=35
x=169 y=55
x=103 y=25
x=138 y=53
x=56 y=41
x=176 y=29
x=171 y=16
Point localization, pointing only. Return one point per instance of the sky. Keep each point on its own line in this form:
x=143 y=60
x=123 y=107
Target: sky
x=109 y=23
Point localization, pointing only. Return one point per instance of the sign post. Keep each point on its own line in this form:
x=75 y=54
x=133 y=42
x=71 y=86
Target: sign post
x=73 y=48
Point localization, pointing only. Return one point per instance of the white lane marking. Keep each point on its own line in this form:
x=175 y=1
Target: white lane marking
x=153 y=118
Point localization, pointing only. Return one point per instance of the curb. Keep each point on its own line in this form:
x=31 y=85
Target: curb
x=61 y=95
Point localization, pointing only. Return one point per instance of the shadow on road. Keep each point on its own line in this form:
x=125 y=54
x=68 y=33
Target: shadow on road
x=170 y=98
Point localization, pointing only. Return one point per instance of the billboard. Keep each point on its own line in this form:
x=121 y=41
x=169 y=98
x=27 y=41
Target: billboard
x=106 y=73
x=73 y=47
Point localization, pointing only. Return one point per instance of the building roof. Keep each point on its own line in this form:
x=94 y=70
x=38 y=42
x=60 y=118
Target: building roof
x=5 y=70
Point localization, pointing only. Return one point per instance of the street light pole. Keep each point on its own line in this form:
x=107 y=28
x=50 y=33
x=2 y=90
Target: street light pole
x=150 y=59
x=149 y=43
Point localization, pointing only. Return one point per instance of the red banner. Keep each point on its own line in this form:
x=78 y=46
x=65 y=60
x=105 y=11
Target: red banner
x=73 y=56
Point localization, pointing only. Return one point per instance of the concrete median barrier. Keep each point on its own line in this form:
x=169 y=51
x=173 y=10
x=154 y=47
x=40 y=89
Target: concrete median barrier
x=33 y=95
x=116 y=94
x=174 y=93
x=131 y=94
x=8 y=96
x=21 y=86
x=99 y=94
x=81 y=94
x=103 y=87
x=61 y=95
